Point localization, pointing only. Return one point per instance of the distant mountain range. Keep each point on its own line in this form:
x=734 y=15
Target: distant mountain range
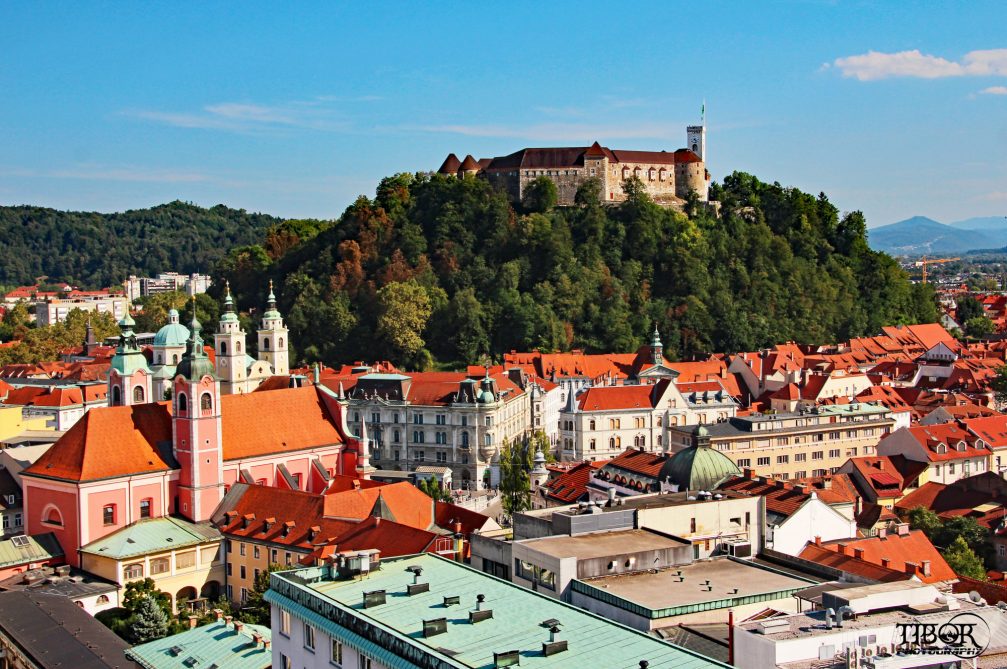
x=921 y=235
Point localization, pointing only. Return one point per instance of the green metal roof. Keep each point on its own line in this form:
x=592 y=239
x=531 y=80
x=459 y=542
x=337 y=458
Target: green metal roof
x=24 y=549
x=216 y=644
x=698 y=468
x=516 y=624
x=151 y=535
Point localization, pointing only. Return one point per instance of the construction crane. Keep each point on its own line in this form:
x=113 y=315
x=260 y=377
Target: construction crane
x=933 y=261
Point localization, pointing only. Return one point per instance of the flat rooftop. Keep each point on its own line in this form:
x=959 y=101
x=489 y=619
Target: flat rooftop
x=602 y=544
x=677 y=587
x=516 y=623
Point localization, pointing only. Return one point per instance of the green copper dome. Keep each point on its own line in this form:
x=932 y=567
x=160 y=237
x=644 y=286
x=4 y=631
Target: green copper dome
x=172 y=334
x=229 y=316
x=128 y=357
x=698 y=468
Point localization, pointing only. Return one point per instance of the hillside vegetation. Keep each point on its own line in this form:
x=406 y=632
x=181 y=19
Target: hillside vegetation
x=436 y=269
x=98 y=250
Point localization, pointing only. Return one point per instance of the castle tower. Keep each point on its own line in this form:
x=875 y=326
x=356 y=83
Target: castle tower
x=273 y=337
x=229 y=343
x=129 y=377
x=596 y=166
x=696 y=137
x=196 y=432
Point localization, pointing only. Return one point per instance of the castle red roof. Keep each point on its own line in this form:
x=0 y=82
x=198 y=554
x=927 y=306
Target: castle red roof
x=469 y=164
x=450 y=165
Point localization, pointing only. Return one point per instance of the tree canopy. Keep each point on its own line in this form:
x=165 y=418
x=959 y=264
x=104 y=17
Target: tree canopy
x=446 y=269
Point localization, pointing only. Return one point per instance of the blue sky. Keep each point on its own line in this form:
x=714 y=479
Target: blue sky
x=294 y=109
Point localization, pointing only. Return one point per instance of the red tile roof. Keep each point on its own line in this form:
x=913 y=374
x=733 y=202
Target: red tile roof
x=638 y=462
x=899 y=549
x=446 y=515
x=571 y=485
x=991 y=429
x=850 y=564
x=614 y=398
x=946 y=437
x=409 y=505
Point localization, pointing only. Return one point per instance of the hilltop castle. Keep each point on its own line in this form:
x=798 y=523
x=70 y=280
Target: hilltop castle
x=668 y=177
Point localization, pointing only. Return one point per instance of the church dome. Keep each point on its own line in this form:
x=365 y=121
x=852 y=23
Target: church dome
x=698 y=468
x=173 y=334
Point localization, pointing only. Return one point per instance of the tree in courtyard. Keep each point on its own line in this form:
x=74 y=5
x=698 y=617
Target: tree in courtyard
x=256 y=608
x=980 y=326
x=922 y=518
x=148 y=622
x=964 y=561
x=136 y=591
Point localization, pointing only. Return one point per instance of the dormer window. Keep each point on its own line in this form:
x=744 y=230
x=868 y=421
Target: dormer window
x=960 y=445
x=942 y=448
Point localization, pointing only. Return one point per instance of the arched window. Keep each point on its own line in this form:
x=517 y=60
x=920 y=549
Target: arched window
x=611 y=442
x=223 y=348
x=52 y=516
x=102 y=599
x=280 y=343
x=237 y=346
x=133 y=571
x=265 y=344
x=183 y=404
x=206 y=402
x=116 y=396
x=174 y=358
x=138 y=395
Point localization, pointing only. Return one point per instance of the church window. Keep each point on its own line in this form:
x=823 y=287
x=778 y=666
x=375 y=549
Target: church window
x=237 y=346
x=265 y=344
x=116 y=396
x=159 y=358
x=206 y=402
x=280 y=343
x=108 y=514
x=138 y=395
x=183 y=404
x=174 y=358
x=145 y=505
x=223 y=348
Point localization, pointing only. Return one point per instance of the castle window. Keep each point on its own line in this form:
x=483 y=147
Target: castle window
x=206 y=402
x=592 y=171
x=183 y=404
x=650 y=174
x=138 y=395
x=116 y=396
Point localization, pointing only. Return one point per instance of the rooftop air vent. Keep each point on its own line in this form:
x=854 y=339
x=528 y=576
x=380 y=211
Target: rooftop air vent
x=435 y=627
x=509 y=658
x=374 y=598
x=452 y=601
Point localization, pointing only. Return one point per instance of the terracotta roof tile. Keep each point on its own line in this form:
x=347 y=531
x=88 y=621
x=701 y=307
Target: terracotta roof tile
x=899 y=549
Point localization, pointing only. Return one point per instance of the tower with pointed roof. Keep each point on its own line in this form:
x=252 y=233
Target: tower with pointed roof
x=196 y=430
x=229 y=344
x=656 y=348
x=273 y=337
x=129 y=377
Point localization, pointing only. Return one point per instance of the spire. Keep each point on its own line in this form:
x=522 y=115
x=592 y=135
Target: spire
x=228 y=316
x=271 y=311
x=656 y=347
x=194 y=364
x=272 y=298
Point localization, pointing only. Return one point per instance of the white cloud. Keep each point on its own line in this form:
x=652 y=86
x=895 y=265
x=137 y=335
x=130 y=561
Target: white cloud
x=875 y=65
x=995 y=90
x=91 y=172
x=247 y=117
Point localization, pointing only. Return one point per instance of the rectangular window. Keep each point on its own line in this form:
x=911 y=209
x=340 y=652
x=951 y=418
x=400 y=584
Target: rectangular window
x=160 y=566
x=417 y=419
x=284 y=662
x=284 y=622
x=309 y=637
x=244 y=595
x=255 y=552
x=336 y=654
x=817 y=455
x=274 y=556
x=782 y=459
x=745 y=462
x=108 y=514
x=951 y=468
x=834 y=453
x=185 y=560
x=800 y=457
x=230 y=592
x=241 y=548
x=145 y=508
x=229 y=569
x=763 y=462
x=286 y=557
x=242 y=568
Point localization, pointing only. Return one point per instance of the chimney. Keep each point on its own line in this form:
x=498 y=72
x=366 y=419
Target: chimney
x=841 y=549
x=818 y=541
x=356 y=484
x=926 y=567
x=886 y=563
x=256 y=638
x=911 y=568
x=192 y=621
x=903 y=529
x=827 y=483
x=749 y=473
x=219 y=613
x=228 y=619
x=801 y=488
x=883 y=533
x=265 y=644
x=858 y=553
x=238 y=626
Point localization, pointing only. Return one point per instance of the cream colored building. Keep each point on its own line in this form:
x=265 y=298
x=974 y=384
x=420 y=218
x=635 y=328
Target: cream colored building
x=184 y=559
x=794 y=445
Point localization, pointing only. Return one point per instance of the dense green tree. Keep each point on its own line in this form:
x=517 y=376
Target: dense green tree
x=256 y=609
x=515 y=483
x=922 y=518
x=153 y=311
x=540 y=195
x=980 y=326
x=964 y=561
x=999 y=385
x=148 y=622
x=432 y=488
x=404 y=310
x=968 y=308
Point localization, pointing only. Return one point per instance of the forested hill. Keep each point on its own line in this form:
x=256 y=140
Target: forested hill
x=444 y=269
x=97 y=250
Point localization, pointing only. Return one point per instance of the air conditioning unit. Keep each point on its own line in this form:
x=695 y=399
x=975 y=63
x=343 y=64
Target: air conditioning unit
x=739 y=549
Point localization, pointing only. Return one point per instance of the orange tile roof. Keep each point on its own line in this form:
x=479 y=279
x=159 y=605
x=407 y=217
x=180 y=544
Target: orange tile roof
x=447 y=515
x=409 y=505
x=948 y=434
x=119 y=441
x=991 y=429
x=781 y=497
x=571 y=485
x=899 y=549
x=638 y=462
x=614 y=398
x=850 y=564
